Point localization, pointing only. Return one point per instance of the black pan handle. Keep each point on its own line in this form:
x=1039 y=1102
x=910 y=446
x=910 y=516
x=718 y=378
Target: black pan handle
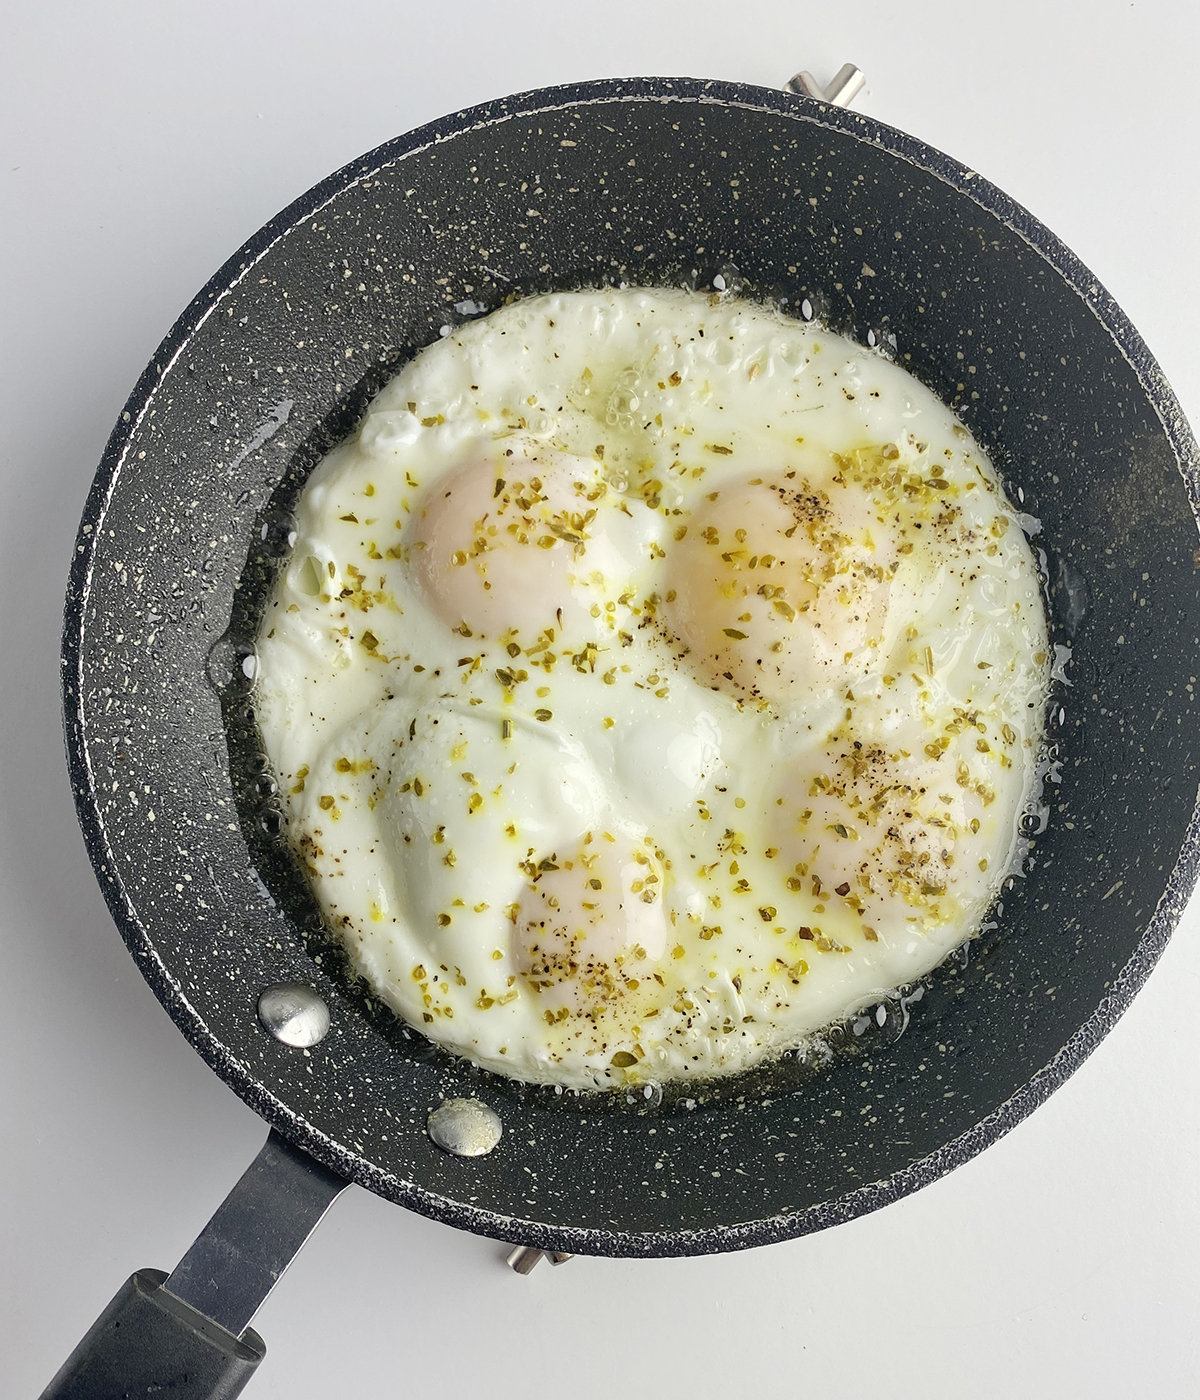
x=189 y=1335
x=148 y=1342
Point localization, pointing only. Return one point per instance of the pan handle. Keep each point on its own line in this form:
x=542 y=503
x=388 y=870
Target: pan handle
x=189 y=1335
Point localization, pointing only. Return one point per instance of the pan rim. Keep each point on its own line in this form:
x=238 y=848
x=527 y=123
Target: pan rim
x=292 y=1124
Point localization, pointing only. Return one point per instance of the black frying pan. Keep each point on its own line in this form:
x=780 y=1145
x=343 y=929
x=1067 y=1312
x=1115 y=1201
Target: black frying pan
x=654 y=181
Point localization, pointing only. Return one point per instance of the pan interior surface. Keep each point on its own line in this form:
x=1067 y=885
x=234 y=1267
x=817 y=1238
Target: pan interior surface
x=663 y=182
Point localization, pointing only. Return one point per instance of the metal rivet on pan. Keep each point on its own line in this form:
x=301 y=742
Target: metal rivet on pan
x=465 y=1127
x=294 y=1014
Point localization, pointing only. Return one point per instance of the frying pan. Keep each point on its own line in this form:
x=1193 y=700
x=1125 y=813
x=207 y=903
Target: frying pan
x=642 y=181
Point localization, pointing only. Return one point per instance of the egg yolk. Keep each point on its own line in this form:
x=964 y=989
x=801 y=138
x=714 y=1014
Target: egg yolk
x=590 y=927
x=494 y=544
x=779 y=588
x=882 y=832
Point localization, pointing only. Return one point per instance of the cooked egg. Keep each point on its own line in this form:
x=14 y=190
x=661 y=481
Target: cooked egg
x=655 y=680
x=593 y=923
x=780 y=588
x=498 y=553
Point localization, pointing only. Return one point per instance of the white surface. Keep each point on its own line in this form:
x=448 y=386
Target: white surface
x=141 y=144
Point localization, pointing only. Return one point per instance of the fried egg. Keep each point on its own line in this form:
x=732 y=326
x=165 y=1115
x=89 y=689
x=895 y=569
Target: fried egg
x=655 y=680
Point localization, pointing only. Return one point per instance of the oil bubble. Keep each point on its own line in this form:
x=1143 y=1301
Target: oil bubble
x=276 y=532
x=231 y=666
x=789 y=353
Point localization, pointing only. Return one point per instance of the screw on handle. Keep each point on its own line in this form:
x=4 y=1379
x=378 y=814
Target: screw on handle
x=847 y=83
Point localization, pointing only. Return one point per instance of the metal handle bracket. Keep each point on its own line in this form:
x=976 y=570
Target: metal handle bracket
x=256 y=1232
x=190 y=1334
x=847 y=83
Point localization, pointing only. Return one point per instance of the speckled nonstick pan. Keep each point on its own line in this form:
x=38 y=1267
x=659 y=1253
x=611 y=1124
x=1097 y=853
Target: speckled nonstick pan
x=655 y=181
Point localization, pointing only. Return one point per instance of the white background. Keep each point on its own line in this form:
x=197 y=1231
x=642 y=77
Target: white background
x=141 y=144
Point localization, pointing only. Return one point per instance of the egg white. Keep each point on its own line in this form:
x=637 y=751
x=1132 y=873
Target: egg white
x=654 y=681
